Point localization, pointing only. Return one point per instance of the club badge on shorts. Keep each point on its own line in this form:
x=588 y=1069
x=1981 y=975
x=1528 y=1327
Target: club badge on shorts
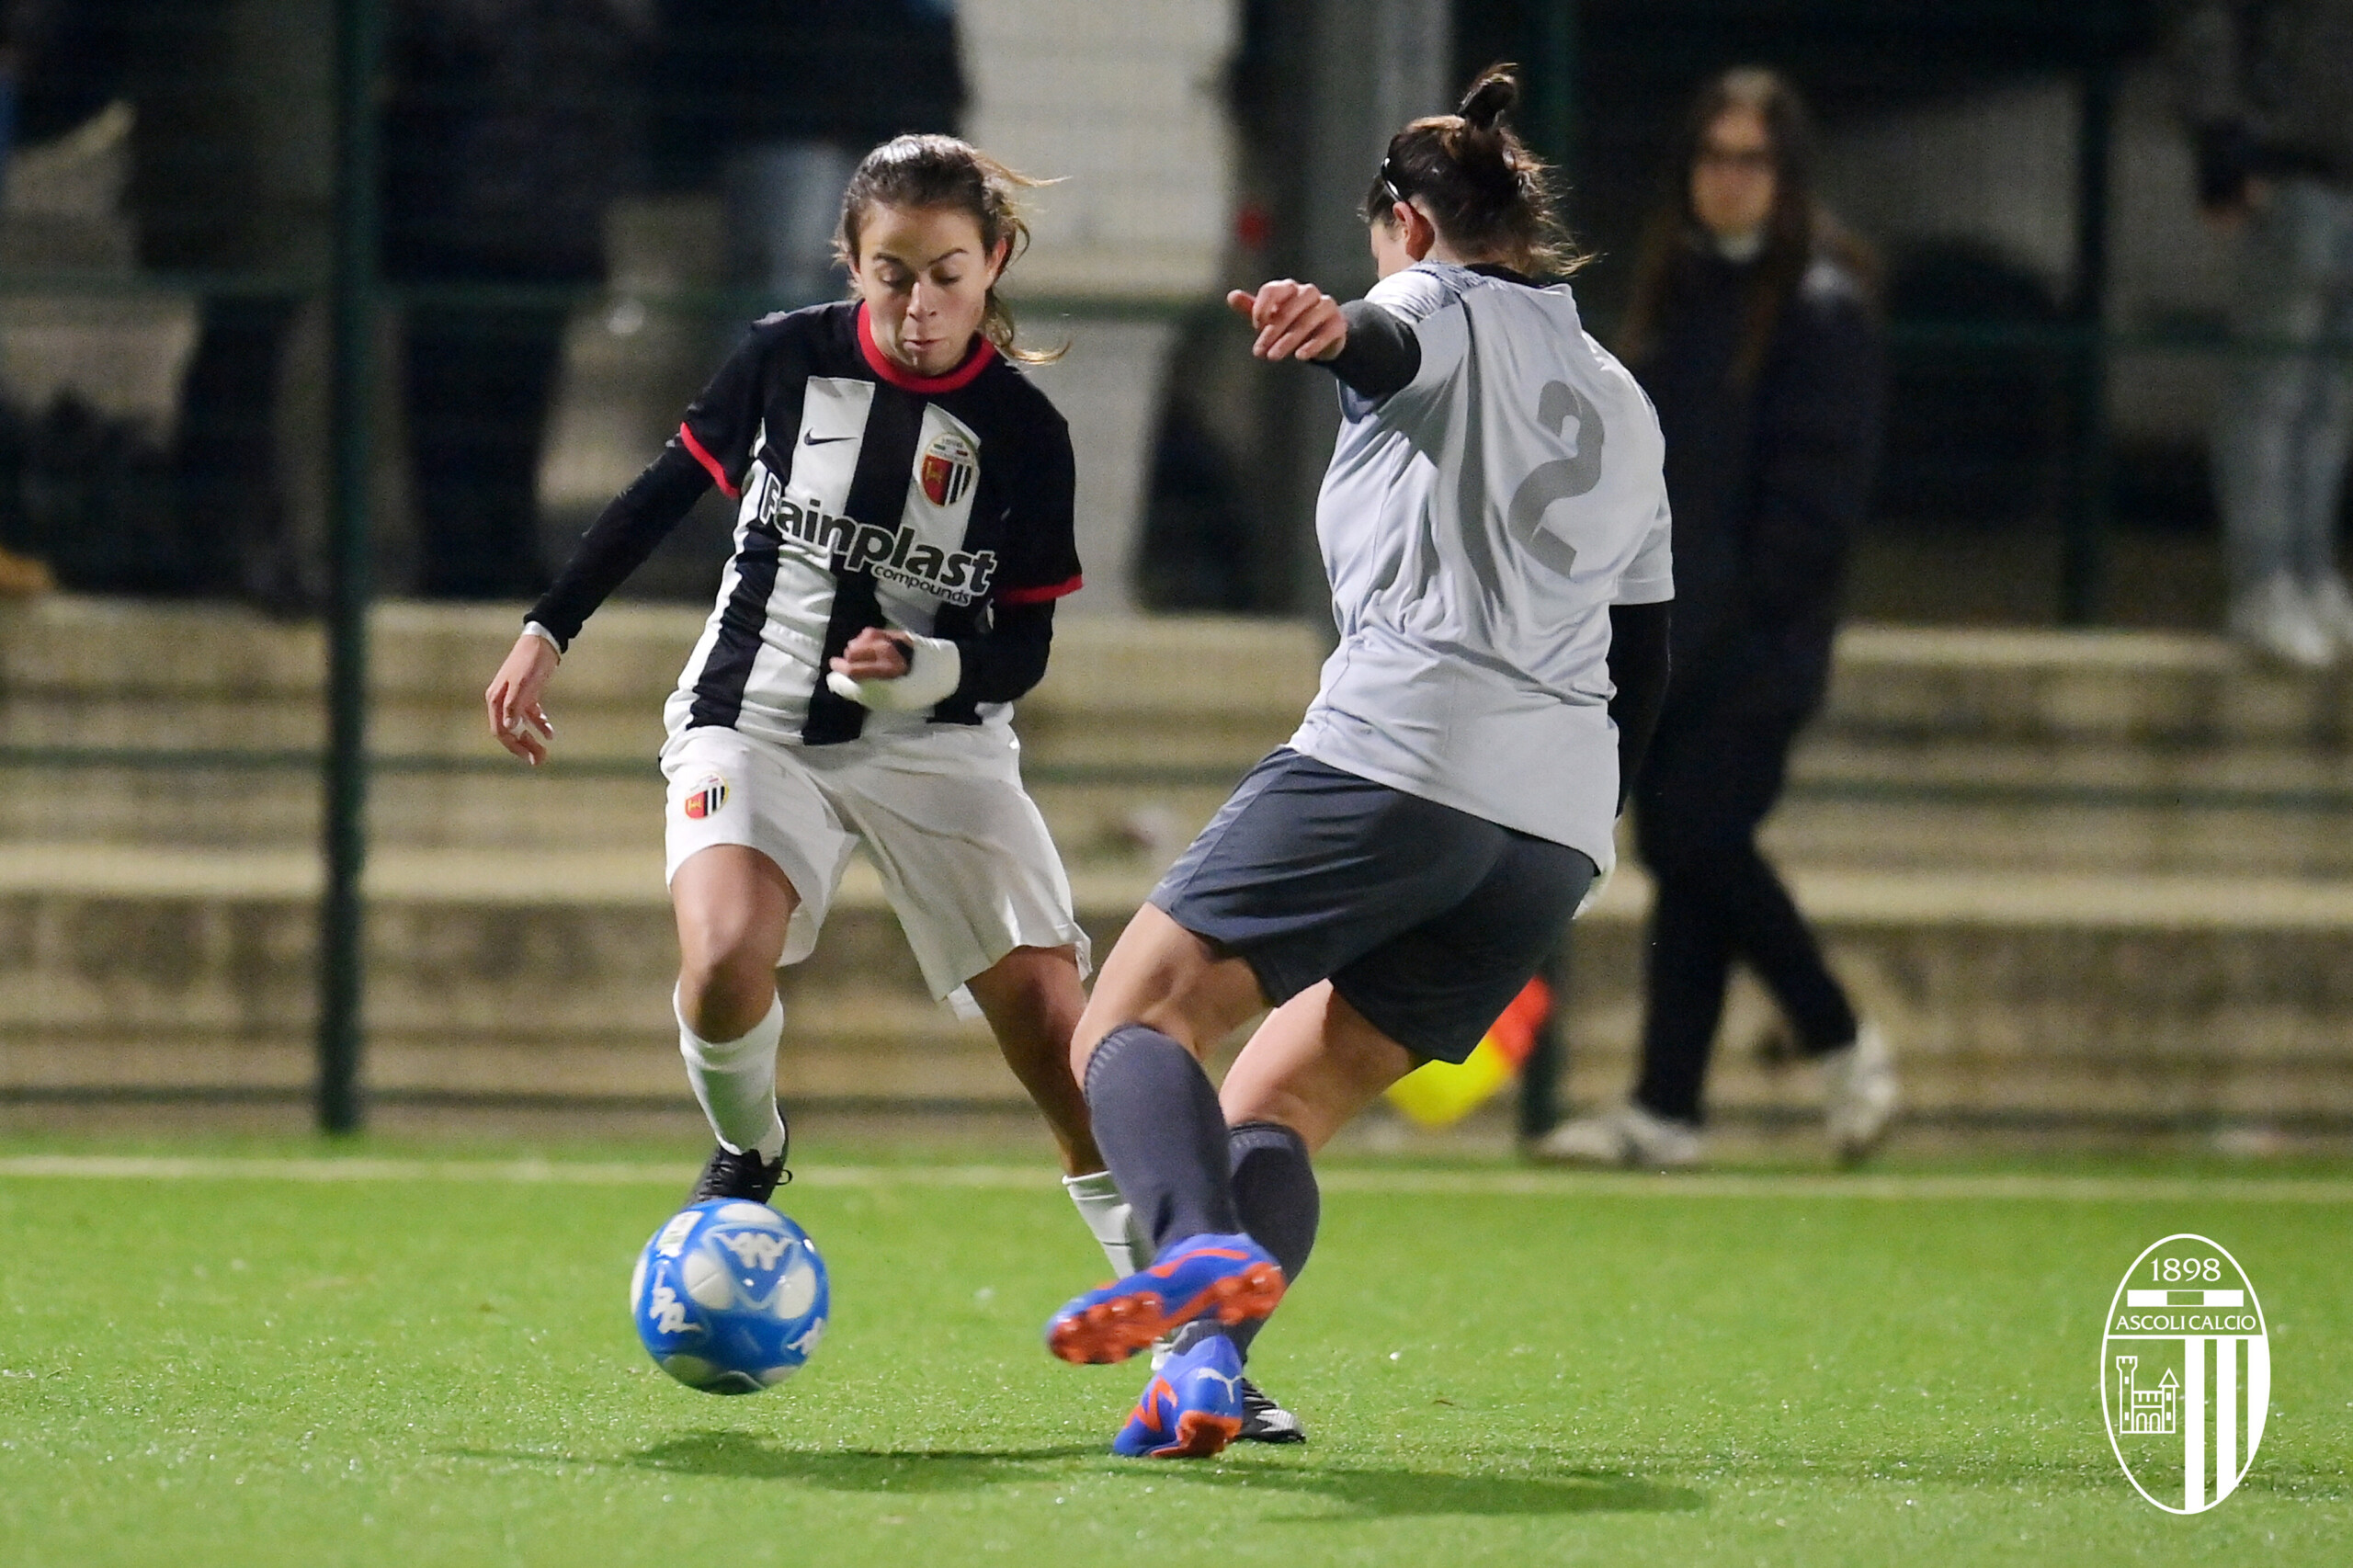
x=704 y=800
x=949 y=468
x=2185 y=1373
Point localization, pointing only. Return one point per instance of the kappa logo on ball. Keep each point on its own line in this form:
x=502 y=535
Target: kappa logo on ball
x=2185 y=1374
x=705 y=798
x=949 y=468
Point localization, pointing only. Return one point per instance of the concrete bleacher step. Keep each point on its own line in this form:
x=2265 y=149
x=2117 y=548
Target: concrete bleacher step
x=133 y=724
x=2170 y=688
x=2113 y=751
x=522 y=976
x=2110 y=751
x=2092 y=877
x=1896 y=830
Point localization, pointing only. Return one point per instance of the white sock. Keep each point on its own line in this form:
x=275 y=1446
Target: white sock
x=1113 y=1224
x=735 y=1081
x=1109 y=1220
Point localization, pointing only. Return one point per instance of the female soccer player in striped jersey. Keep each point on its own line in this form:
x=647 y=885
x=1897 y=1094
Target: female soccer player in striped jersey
x=1494 y=524
x=904 y=529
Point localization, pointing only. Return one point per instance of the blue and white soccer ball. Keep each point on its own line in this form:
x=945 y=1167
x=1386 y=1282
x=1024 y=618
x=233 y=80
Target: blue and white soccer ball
x=730 y=1297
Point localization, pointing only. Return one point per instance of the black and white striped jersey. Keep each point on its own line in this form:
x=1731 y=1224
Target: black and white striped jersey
x=867 y=496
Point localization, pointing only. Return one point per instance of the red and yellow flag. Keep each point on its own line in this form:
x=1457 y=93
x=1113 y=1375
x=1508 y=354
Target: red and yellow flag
x=1438 y=1094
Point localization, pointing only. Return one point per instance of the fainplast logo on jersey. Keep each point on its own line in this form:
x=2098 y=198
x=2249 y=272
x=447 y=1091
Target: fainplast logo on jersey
x=892 y=552
x=2185 y=1373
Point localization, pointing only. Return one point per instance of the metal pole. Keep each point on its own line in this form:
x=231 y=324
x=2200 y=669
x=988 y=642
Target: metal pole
x=345 y=840
x=1371 y=65
x=1553 y=83
x=2083 y=563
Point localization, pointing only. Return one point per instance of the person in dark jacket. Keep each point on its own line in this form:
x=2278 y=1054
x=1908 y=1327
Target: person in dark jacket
x=505 y=134
x=1752 y=329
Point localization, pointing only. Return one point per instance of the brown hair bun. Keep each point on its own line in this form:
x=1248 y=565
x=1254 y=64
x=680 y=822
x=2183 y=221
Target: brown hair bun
x=1495 y=91
x=1477 y=182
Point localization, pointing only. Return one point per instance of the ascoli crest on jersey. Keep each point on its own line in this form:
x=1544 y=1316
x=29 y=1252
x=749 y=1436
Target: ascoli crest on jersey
x=948 y=469
x=704 y=800
x=892 y=552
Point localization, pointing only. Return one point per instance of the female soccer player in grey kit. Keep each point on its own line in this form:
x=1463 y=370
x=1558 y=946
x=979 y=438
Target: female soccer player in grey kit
x=1494 y=524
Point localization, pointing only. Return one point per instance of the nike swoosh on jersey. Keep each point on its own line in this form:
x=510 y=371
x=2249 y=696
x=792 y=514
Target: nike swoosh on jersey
x=812 y=439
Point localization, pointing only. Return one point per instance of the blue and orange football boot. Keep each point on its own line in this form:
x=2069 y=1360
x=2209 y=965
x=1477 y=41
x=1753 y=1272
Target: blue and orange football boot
x=1190 y=1409
x=1231 y=1278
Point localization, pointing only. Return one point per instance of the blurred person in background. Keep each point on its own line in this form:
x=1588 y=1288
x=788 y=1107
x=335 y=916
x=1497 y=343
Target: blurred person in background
x=230 y=172
x=773 y=102
x=2267 y=86
x=1753 y=329
x=506 y=132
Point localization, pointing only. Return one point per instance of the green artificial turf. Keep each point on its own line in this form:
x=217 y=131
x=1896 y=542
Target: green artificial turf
x=440 y=1369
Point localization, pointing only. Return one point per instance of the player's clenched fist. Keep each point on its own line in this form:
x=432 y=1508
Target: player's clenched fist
x=1295 y=320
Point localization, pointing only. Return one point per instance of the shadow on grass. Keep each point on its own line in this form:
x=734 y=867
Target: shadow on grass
x=751 y=1458
x=1355 y=1493
x=1360 y=1492
x=1398 y=1494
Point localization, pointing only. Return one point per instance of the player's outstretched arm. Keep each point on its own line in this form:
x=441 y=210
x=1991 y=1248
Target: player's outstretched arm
x=1295 y=320
x=1372 y=349
x=516 y=719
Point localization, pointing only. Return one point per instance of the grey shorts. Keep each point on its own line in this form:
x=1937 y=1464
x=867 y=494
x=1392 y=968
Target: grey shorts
x=1427 y=919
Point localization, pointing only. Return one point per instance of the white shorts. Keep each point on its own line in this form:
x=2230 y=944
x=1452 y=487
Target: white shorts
x=963 y=853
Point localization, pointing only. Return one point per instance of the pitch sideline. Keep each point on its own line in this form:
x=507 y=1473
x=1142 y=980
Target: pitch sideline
x=1927 y=1188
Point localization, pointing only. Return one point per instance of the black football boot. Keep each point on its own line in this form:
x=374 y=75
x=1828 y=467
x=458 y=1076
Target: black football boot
x=1264 y=1421
x=743 y=1176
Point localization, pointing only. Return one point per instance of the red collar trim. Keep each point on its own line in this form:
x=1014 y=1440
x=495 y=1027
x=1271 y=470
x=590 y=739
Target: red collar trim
x=899 y=376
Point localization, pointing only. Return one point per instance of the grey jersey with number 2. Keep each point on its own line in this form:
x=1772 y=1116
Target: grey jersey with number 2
x=1477 y=526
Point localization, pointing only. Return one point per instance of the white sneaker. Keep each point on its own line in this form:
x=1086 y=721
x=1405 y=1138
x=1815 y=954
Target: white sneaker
x=1629 y=1136
x=2331 y=606
x=1859 y=1093
x=2276 y=620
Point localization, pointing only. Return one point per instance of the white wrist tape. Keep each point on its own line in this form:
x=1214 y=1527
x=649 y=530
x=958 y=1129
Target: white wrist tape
x=934 y=668
x=533 y=629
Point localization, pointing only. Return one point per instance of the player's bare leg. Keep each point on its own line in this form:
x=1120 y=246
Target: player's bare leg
x=734 y=906
x=1311 y=1066
x=1033 y=999
x=1168 y=980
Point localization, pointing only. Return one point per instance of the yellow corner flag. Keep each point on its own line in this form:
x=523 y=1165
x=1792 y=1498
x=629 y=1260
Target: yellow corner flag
x=1438 y=1094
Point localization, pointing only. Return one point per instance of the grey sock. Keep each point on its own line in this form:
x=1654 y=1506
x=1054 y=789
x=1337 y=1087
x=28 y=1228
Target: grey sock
x=1157 y=1123
x=1280 y=1204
